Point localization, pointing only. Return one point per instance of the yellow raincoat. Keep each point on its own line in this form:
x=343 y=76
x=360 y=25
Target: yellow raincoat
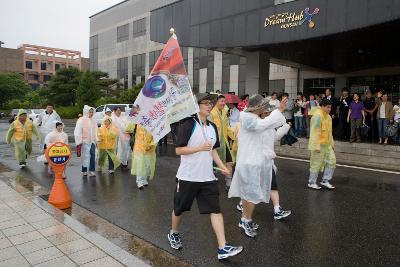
x=321 y=142
x=220 y=119
x=20 y=135
x=108 y=137
x=144 y=152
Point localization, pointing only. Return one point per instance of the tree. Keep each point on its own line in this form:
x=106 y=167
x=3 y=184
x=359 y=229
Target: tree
x=129 y=96
x=63 y=85
x=87 y=93
x=12 y=86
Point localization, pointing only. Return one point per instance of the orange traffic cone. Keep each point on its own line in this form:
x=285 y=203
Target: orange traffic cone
x=59 y=195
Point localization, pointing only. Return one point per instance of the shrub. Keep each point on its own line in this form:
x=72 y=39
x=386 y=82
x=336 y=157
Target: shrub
x=68 y=112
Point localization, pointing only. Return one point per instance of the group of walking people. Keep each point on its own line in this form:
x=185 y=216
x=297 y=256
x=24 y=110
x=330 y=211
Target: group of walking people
x=112 y=144
x=237 y=143
x=206 y=139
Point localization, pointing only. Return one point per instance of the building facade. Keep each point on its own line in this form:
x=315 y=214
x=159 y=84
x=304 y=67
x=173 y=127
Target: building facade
x=39 y=63
x=248 y=46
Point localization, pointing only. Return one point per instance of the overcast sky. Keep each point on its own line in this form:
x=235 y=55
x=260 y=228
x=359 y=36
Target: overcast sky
x=55 y=23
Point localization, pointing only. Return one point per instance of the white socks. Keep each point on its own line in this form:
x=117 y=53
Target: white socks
x=277 y=208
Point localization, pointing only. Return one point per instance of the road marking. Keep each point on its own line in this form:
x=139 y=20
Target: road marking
x=345 y=166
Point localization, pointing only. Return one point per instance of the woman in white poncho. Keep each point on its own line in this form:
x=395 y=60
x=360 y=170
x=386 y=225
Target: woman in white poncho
x=57 y=135
x=252 y=178
x=86 y=138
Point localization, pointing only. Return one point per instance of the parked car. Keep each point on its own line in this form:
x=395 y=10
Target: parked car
x=101 y=111
x=34 y=113
x=12 y=115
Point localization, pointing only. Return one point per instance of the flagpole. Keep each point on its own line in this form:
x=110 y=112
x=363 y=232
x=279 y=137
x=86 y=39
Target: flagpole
x=172 y=32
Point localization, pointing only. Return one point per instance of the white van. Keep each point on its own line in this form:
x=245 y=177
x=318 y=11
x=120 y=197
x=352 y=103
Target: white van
x=101 y=111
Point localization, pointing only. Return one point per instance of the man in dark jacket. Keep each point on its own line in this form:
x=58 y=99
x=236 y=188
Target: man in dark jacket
x=344 y=126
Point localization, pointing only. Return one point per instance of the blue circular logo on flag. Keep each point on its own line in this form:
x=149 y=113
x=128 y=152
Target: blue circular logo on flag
x=155 y=87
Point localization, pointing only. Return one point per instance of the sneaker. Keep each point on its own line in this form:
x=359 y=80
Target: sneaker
x=22 y=165
x=327 y=185
x=281 y=214
x=254 y=225
x=84 y=174
x=92 y=174
x=175 y=241
x=248 y=230
x=111 y=171
x=228 y=251
x=314 y=186
x=239 y=207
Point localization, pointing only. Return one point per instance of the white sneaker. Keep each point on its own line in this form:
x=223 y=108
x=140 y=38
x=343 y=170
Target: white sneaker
x=92 y=174
x=84 y=174
x=21 y=166
x=327 y=185
x=111 y=171
x=239 y=206
x=314 y=186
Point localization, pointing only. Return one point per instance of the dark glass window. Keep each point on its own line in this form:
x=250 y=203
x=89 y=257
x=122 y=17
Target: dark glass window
x=153 y=57
x=57 y=67
x=43 y=66
x=28 y=64
x=139 y=27
x=46 y=78
x=184 y=51
x=225 y=72
x=122 y=70
x=93 y=53
x=123 y=33
x=242 y=76
x=138 y=67
x=196 y=69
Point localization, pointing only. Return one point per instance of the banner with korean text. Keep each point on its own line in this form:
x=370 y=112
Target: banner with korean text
x=166 y=97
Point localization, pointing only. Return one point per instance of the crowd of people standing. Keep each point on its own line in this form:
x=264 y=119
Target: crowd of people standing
x=355 y=117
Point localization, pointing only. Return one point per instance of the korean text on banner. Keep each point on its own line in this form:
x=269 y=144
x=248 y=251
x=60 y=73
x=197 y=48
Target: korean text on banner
x=166 y=97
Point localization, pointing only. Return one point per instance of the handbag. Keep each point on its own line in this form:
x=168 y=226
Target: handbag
x=364 y=130
x=391 y=130
x=289 y=138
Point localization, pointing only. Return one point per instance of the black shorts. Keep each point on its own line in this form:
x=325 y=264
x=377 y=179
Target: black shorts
x=274 y=184
x=206 y=194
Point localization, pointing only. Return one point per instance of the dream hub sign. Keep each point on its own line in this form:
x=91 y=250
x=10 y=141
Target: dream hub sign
x=291 y=19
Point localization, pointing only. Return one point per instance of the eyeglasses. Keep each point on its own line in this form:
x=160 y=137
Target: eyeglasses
x=207 y=103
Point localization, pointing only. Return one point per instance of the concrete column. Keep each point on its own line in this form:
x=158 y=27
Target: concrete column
x=130 y=81
x=190 y=65
x=234 y=78
x=257 y=72
x=217 y=71
x=203 y=80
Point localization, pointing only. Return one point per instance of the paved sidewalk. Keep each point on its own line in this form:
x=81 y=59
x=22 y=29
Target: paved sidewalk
x=30 y=236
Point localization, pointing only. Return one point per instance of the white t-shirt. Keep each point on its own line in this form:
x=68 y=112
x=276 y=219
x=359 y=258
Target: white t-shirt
x=396 y=110
x=274 y=103
x=382 y=111
x=299 y=113
x=196 y=167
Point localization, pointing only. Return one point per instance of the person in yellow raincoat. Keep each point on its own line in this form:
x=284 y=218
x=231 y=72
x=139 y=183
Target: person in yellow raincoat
x=108 y=136
x=219 y=117
x=321 y=146
x=20 y=135
x=143 y=155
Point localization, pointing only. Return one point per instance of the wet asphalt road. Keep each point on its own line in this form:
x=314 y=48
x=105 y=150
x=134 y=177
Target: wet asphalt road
x=357 y=224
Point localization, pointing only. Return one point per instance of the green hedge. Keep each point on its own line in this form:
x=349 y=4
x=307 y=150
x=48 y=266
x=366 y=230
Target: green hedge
x=68 y=112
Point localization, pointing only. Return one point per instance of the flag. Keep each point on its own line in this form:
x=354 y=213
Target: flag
x=167 y=96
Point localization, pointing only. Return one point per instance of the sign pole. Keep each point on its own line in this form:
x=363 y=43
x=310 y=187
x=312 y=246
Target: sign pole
x=58 y=155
